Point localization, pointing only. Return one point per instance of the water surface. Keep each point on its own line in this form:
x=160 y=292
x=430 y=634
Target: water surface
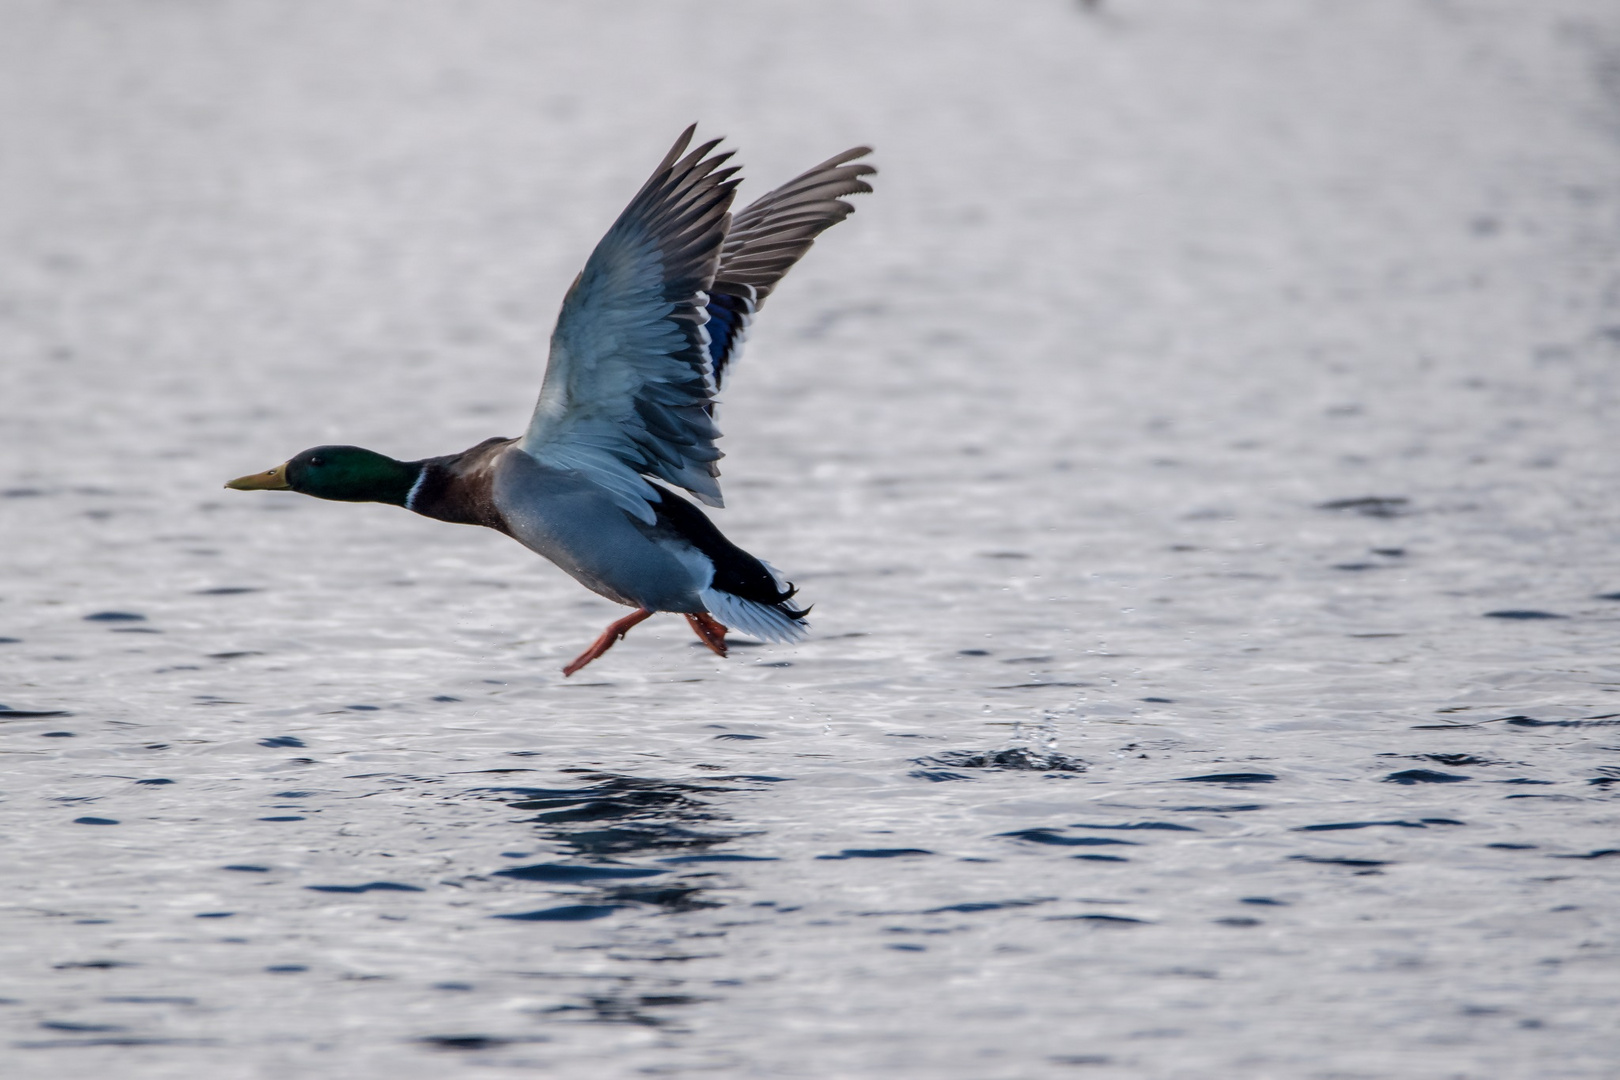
x=1200 y=453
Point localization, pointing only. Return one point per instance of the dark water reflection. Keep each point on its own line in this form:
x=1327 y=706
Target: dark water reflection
x=614 y=823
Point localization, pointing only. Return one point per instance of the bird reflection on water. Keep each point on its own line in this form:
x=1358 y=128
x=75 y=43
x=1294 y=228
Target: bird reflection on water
x=614 y=818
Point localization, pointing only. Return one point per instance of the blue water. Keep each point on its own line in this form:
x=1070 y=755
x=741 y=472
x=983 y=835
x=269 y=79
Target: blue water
x=1200 y=452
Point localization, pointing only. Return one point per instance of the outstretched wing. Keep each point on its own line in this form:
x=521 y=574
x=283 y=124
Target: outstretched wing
x=768 y=238
x=630 y=376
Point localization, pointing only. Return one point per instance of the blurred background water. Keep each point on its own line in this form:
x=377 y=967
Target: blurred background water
x=1200 y=452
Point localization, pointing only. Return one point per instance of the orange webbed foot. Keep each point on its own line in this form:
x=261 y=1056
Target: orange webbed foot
x=709 y=631
x=607 y=639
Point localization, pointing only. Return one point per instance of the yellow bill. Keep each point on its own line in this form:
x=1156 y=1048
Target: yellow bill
x=270 y=480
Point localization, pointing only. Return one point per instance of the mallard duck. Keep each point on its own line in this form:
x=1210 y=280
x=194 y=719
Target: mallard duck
x=646 y=336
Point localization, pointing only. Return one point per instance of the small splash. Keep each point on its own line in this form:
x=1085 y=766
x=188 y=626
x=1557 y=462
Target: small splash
x=1013 y=759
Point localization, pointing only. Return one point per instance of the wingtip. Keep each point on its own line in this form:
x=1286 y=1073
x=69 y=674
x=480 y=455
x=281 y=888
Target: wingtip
x=680 y=146
x=854 y=153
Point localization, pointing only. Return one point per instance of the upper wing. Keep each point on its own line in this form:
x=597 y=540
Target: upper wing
x=768 y=238
x=630 y=377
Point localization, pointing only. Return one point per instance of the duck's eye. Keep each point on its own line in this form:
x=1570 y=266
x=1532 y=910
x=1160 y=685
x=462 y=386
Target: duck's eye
x=314 y=461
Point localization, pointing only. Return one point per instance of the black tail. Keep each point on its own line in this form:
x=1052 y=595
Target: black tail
x=735 y=571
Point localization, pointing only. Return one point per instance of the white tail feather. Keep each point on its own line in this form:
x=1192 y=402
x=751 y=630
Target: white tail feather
x=754 y=619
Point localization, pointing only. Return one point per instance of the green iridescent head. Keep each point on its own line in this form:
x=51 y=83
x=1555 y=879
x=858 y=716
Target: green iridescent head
x=343 y=473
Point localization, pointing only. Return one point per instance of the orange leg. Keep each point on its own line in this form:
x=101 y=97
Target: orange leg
x=605 y=642
x=709 y=631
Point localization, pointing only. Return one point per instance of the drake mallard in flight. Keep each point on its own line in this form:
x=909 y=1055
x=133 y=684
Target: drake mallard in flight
x=645 y=338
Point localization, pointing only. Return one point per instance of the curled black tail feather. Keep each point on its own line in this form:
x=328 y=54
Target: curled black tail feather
x=735 y=571
x=796 y=614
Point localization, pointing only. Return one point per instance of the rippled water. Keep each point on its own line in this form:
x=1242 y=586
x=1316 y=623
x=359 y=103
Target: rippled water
x=1200 y=451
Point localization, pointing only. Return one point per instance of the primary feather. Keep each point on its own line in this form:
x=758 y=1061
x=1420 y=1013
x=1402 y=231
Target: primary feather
x=629 y=376
x=767 y=238
x=651 y=325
